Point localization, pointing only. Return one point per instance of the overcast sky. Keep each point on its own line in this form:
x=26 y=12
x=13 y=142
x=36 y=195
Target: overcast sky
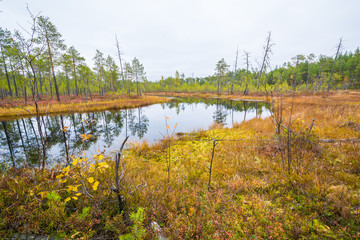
x=192 y=35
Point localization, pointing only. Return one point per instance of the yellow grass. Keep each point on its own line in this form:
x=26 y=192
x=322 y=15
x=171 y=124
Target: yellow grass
x=252 y=195
x=79 y=106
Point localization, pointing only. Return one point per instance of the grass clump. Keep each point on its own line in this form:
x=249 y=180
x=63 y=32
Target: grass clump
x=10 y=111
x=253 y=193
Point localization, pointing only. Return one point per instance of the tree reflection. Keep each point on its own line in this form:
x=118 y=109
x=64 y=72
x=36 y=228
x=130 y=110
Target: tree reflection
x=138 y=123
x=20 y=142
x=220 y=113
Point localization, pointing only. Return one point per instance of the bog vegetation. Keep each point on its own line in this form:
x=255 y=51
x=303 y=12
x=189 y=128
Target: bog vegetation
x=264 y=183
x=294 y=175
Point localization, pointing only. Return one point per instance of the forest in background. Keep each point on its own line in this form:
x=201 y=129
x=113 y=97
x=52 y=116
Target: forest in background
x=41 y=65
x=293 y=175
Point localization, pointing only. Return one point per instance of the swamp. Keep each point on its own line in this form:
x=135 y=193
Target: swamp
x=174 y=120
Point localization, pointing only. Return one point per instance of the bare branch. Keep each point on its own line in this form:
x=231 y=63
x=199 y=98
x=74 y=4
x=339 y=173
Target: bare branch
x=266 y=59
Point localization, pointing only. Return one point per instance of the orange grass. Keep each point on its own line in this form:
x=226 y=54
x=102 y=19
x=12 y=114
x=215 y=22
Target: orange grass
x=51 y=107
x=251 y=195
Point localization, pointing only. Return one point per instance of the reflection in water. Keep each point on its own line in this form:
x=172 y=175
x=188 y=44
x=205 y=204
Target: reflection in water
x=140 y=125
x=20 y=140
x=220 y=114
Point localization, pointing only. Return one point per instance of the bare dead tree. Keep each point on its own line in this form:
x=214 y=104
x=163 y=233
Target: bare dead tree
x=339 y=47
x=266 y=58
x=29 y=53
x=236 y=60
x=119 y=54
x=247 y=54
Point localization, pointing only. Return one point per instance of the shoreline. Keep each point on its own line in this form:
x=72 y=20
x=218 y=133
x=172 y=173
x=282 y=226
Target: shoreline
x=55 y=108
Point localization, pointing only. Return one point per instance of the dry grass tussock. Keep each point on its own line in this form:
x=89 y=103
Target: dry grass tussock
x=254 y=191
x=51 y=107
x=250 y=192
x=335 y=117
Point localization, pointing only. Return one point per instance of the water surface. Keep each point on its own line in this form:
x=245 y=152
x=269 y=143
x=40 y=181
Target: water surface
x=64 y=133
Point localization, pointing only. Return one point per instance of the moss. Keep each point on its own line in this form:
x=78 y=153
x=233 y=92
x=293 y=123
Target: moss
x=252 y=195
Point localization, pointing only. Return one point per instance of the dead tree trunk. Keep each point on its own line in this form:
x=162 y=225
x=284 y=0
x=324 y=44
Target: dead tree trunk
x=232 y=85
x=333 y=66
x=265 y=61
x=247 y=73
x=119 y=176
x=119 y=54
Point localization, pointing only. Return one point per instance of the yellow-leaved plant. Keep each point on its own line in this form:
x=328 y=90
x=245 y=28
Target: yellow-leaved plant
x=81 y=178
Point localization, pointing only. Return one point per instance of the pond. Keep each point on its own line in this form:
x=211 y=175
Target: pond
x=64 y=134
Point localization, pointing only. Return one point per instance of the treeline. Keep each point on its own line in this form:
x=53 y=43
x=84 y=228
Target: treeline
x=40 y=64
x=302 y=73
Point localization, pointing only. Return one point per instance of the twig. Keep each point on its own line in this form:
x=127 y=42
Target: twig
x=339 y=140
x=85 y=189
x=211 y=162
x=27 y=111
x=288 y=129
x=137 y=186
x=121 y=201
x=312 y=124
